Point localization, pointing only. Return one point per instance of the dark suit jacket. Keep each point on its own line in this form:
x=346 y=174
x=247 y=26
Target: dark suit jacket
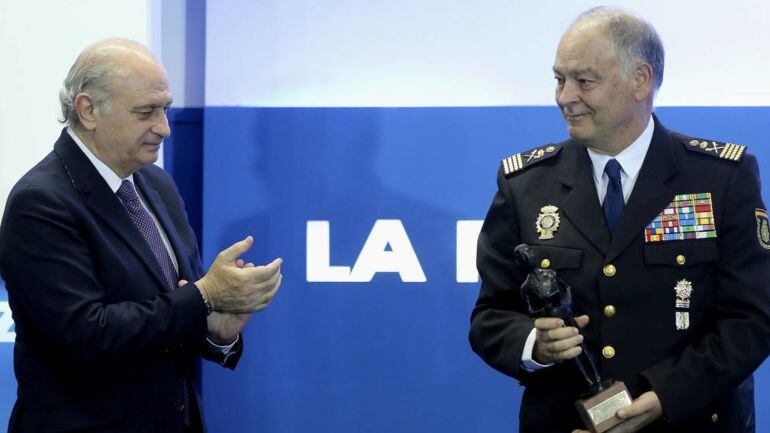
x=100 y=343
x=696 y=372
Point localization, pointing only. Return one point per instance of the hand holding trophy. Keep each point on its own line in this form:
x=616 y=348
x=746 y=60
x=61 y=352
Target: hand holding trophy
x=547 y=295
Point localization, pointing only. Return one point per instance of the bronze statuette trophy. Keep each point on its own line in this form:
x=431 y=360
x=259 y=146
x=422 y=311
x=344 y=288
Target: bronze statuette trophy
x=547 y=295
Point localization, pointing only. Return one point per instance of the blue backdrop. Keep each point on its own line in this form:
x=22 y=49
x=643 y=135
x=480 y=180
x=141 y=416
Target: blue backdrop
x=386 y=355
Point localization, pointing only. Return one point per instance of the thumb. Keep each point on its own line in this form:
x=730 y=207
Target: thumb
x=182 y=282
x=582 y=321
x=236 y=249
x=638 y=407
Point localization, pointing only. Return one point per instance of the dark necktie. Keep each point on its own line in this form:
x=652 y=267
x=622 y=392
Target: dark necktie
x=613 y=200
x=148 y=229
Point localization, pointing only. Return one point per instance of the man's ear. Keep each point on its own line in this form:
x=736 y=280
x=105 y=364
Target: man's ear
x=87 y=111
x=641 y=78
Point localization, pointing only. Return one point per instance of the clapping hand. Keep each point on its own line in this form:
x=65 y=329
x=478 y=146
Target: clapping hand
x=230 y=288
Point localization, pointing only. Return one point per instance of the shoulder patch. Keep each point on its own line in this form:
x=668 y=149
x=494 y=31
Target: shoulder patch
x=728 y=151
x=518 y=162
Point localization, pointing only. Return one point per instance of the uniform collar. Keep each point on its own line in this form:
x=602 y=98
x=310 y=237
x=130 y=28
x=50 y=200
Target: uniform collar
x=630 y=159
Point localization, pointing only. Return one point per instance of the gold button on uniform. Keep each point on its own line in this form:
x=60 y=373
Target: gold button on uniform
x=714 y=418
x=680 y=259
x=609 y=270
x=179 y=406
x=545 y=264
x=609 y=310
x=608 y=352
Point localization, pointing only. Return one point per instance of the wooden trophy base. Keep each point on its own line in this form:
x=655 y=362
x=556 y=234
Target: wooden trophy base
x=598 y=411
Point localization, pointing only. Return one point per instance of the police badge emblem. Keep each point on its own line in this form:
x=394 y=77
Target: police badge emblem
x=763 y=228
x=547 y=222
x=683 y=291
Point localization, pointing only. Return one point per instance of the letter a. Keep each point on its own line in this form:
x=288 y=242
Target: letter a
x=400 y=258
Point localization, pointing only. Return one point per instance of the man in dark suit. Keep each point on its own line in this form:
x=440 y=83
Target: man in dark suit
x=663 y=238
x=111 y=304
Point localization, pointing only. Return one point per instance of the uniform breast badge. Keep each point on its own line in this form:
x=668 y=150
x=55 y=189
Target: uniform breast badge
x=688 y=216
x=683 y=292
x=763 y=229
x=547 y=222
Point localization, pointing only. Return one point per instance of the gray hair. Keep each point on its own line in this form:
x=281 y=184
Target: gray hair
x=89 y=74
x=92 y=73
x=635 y=40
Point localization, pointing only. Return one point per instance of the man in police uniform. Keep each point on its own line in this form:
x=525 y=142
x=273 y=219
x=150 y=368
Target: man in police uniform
x=663 y=238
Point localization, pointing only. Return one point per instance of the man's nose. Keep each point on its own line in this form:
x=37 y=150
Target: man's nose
x=567 y=94
x=161 y=128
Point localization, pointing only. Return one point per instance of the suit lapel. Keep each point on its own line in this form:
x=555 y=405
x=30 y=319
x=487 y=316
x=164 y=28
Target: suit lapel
x=581 y=204
x=160 y=210
x=651 y=193
x=104 y=203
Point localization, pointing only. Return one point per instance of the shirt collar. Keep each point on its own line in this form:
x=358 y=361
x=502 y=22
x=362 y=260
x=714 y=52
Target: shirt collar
x=109 y=176
x=630 y=159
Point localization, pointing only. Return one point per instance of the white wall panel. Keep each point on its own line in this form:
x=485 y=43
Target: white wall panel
x=39 y=41
x=459 y=53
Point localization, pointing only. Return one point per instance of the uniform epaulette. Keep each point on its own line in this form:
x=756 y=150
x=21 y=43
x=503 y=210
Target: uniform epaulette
x=516 y=163
x=728 y=151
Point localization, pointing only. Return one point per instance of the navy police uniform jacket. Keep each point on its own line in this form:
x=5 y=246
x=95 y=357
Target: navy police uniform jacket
x=101 y=344
x=684 y=314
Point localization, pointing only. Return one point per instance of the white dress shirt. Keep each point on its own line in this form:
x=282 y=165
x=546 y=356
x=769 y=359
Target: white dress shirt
x=630 y=160
x=114 y=181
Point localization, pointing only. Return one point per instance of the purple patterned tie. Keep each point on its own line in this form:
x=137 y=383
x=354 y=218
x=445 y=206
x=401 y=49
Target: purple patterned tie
x=148 y=229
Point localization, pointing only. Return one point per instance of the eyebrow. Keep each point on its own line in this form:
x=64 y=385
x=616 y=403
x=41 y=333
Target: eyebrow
x=153 y=105
x=576 y=72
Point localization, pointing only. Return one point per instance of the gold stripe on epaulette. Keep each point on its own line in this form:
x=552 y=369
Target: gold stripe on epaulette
x=734 y=153
x=724 y=151
x=506 y=166
x=738 y=154
x=510 y=165
x=518 y=164
x=727 y=152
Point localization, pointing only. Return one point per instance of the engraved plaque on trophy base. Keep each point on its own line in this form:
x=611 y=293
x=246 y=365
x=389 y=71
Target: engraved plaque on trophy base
x=598 y=412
